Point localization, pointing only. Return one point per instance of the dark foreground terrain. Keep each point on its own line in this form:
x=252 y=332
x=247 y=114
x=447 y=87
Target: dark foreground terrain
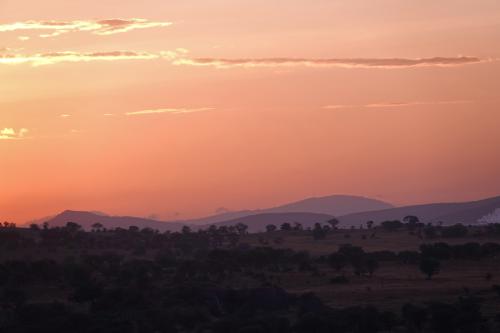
x=395 y=277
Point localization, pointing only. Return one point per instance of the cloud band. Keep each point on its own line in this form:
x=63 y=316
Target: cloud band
x=99 y=27
x=12 y=134
x=168 y=110
x=340 y=62
x=61 y=57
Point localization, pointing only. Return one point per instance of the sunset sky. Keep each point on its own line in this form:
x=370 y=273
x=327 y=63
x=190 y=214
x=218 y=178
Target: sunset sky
x=173 y=109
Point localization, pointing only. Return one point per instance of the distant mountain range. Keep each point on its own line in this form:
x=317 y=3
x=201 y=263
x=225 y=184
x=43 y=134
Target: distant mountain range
x=87 y=219
x=307 y=212
x=333 y=205
x=350 y=210
x=449 y=213
x=259 y=222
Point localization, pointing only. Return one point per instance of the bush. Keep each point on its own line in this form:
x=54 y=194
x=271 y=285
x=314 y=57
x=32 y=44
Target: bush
x=392 y=225
x=454 y=231
x=430 y=267
x=341 y=279
x=438 y=250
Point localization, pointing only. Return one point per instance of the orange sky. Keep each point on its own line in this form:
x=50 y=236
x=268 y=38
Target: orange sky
x=181 y=107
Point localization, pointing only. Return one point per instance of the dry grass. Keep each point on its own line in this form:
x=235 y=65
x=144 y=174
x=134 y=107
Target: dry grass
x=381 y=240
x=393 y=284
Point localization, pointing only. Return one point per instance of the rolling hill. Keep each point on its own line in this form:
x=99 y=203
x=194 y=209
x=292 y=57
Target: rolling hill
x=307 y=212
x=259 y=222
x=334 y=205
x=449 y=213
x=87 y=219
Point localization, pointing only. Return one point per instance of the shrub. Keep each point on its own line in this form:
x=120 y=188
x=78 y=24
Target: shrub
x=341 y=279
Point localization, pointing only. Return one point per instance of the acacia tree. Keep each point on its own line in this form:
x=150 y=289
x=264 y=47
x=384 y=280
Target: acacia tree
x=97 y=226
x=319 y=232
x=34 y=226
x=371 y=265
x=271 y=228
x=241 y=228
x=333 y=222
x=411 y=219
x=430 y=267
x=414 y=317
x=337 y=261
x=73 y=227
x=391 y=225
x=286 y=226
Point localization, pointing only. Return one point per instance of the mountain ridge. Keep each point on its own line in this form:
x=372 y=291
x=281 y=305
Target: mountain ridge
x=318 y=208
x=466 y=212
x=334 y=205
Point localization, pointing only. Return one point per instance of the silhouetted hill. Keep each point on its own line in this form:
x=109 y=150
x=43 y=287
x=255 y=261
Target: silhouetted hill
x=87 y=219
x=311 y=210
x=322 y=210
x=334 y=205
x=449 y=213
x=259 y=222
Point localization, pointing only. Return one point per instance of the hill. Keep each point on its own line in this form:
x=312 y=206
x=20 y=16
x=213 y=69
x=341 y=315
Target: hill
x=469 y=212
x=87 y=219
x=259 y=222
x=334 y=205
x=311 y=210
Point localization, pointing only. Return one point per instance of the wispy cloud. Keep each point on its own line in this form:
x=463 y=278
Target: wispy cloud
x=340 y=62
x=97 y=27
x=167 y=110
x=393 y=104
x=61 y=57
x=12 y=134
x=179 y=57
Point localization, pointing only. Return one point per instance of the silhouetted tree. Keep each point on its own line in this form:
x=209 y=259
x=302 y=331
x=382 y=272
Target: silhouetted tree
x=286 y=226
x=414 y=317
x=457 y=230
x=73 y=227
x=337 y=261
x=430 y=231
x=319 y=232
x=392 y=225
x=333 y=222
x=411 y=222
x=411 y=219
x=371 y=265
x=430 y=267
x=409 y=257
x=241 y=228
x=97 y=227
x=271 y=228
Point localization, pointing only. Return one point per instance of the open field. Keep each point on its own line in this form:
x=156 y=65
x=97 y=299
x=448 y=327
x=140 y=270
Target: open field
x=83 y=271
x=382 y=240
x=393 y=283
